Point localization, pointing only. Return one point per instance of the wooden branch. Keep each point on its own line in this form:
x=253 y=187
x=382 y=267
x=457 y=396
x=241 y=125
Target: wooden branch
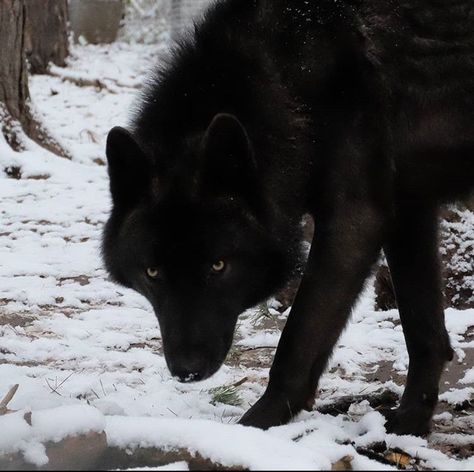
x=384 y=400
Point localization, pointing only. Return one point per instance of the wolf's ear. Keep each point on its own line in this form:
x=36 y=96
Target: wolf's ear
x=229 y=166
x=129 y=169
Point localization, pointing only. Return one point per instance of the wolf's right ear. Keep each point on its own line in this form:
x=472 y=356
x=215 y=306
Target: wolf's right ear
x=129 y=168
x=229 y=164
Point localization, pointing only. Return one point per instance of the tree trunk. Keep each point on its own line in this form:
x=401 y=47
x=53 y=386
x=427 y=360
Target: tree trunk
x=46 y=37
x=16 y=119
x=13 y=75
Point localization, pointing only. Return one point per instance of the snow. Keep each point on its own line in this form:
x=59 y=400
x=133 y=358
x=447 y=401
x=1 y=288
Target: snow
x=469 y=377
x=87 y=353
x=457 y=396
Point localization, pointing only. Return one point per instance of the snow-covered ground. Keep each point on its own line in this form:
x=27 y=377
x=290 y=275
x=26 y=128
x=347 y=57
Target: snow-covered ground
x=87 y=354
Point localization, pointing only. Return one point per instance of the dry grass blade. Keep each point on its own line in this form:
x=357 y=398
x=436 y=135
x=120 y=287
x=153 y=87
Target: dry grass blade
x=240 y=382
x=7 y=399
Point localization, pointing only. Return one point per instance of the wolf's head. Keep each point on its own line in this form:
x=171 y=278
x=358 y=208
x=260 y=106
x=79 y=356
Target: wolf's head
x=196 y=237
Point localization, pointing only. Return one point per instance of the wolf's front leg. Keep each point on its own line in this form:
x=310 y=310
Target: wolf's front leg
x=345 y=246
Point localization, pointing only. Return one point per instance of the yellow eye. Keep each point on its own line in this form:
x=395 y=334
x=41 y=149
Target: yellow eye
x=153 y=272
x=218 y=267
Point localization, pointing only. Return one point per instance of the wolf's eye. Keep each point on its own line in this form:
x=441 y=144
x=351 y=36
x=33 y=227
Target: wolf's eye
x=153 y=272
x=218 y=267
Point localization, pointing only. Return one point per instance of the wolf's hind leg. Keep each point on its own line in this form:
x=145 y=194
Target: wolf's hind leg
x=413 y=258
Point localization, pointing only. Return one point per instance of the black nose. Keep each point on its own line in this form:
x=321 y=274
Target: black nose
x=188 y=377
x=191 y=370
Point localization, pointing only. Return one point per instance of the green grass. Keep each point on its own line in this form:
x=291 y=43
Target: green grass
x=226 y=394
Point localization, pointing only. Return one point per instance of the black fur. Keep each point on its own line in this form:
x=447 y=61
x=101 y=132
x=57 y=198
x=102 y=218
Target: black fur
x=360 y=113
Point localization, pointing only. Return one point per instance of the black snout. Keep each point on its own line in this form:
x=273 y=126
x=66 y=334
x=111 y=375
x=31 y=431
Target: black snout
x=195 y=347
x=191 y=370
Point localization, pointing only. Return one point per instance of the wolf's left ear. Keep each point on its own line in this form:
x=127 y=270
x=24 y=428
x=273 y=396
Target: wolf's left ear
x=229 y=165
x=129 y=169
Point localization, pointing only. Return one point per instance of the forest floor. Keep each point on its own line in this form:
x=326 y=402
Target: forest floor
x=87 y=354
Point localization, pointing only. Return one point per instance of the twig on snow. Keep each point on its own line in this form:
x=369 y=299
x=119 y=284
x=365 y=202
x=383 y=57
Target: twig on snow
x=53 y=390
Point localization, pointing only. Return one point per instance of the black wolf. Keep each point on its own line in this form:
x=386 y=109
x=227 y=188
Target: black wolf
x=360 y=113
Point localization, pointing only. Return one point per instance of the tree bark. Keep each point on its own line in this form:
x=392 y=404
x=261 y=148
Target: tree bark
x=16 y=118
x=13 y=75
x=46 y=35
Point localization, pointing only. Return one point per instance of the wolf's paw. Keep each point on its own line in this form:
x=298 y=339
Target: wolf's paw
x=407 y=421
x=271 y=410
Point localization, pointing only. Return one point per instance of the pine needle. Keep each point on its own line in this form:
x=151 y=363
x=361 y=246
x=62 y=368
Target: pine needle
x=226 y=394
